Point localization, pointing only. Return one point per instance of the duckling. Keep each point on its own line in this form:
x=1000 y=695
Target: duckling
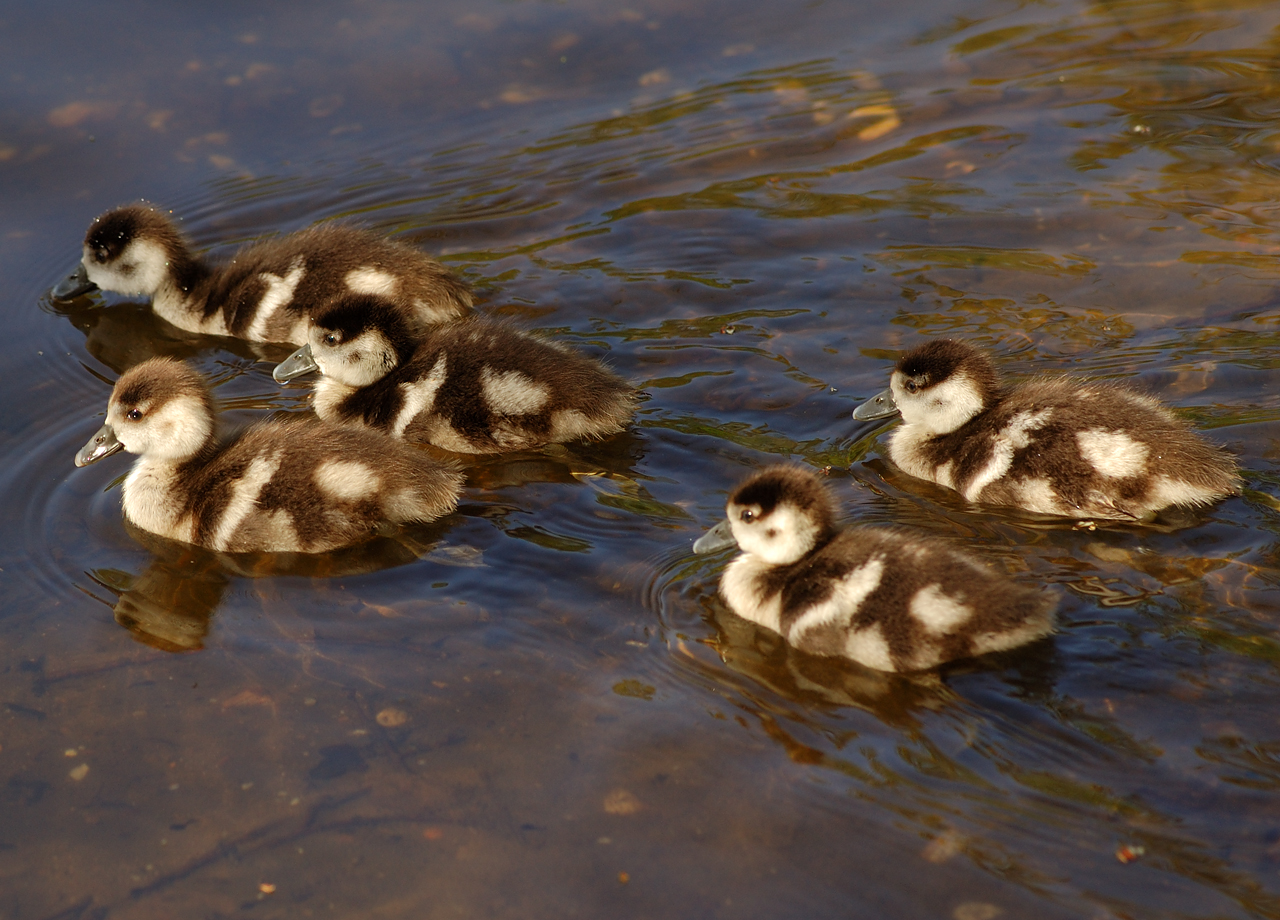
x=264 y=293
x=472 y=387
x=278 y=486
x=1053 y=445
x=888 y=600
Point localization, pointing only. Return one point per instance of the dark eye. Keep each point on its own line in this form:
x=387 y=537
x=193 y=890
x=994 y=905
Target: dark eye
x=331 y=339
x=747 y=516
x=911 y=386
x=100 y=254
x=134 y=414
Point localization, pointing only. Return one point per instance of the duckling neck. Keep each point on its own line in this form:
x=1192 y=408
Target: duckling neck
x=151 y=496
x=331 y=394
x=182 y=298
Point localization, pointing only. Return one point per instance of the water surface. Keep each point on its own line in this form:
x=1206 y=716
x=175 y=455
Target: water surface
x=538 y=706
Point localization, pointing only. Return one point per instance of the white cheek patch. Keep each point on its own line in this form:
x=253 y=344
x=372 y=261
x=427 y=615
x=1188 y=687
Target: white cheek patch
x=420 y=396
x=1113 y=453
x=778 y=538
x=364 y=360
x=142 y=268
x=370 y=280
x=938 y=613
x=868 y=647
x=244 y=498
x=512 y=393
x=346 y=480
x=279 y=293
x=172 y=431
x=941 y=408
x=846 y=598
x=1013 y=437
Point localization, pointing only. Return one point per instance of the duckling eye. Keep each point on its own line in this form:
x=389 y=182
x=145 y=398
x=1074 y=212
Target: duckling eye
x=134 y=414
x=747 y=516
x=911 y=386
x=330 y=339
x=100 y=254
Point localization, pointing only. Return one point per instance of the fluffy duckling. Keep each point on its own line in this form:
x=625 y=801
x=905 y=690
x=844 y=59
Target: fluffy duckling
x=885 y=599
x=1053 y=445
x=473 y=387
x=278 y=486
x=265 y=292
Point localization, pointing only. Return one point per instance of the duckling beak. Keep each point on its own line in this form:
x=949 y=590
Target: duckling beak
x=879 y=406
x=76 y=284
x=297 y=364
x=715 y=539
x=102 y=444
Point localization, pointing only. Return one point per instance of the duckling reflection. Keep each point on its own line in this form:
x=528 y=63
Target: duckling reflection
x=887 y=599
x=130 y=333
x=1049 y=445
x=265 y=292
x=761 y=655
x=170 y=606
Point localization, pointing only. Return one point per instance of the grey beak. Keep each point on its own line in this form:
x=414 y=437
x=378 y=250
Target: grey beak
x=297 y=364
x=102 y=444
x=715 y=539
x=879 y=406
x=76 y=284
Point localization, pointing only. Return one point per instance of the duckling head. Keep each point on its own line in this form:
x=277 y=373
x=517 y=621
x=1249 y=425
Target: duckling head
x=779 y=515
x=133 y=250
x=942 y=384
x=355 y=340
x=160 y=409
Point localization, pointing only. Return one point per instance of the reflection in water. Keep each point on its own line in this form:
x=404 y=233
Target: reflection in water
x=171 y=604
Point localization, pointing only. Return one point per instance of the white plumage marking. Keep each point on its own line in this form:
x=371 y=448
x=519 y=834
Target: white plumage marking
x=937 y=612
x=346 y=480
x=279 y=292
x=370 y=280
x=512 y=393
x=244 y=498
x=740 y=587
x=1038 y=495
x=840 y=609
x=420 y=395
x=1113 y=453
x=868 y=646
x=1015 y=436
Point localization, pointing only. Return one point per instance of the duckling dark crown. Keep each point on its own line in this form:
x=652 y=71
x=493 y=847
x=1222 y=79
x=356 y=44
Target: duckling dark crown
x=110 y=235
x=161 y=380
x=355 y=314
x=777 y=485
x=941 y=359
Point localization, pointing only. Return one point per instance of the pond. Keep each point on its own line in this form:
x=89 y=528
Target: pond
x=538 y=706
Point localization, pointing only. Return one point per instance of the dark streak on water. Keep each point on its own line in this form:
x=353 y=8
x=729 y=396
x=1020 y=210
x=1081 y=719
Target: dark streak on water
x=538 y=706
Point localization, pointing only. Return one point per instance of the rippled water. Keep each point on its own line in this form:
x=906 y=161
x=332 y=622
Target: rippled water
x=538 y=706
